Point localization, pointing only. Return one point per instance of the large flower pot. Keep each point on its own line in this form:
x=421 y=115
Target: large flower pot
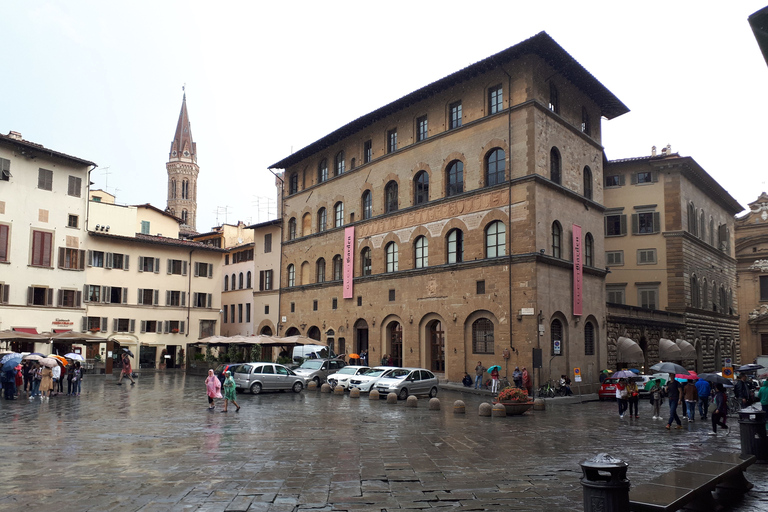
x=516 y=408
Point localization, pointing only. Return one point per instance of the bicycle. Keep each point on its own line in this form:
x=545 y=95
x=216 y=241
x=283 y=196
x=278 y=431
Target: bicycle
x=547 y=390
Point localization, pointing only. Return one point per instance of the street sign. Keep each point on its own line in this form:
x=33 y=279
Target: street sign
x=727 y=361
x=727 y=372
x=577 y=374
x=556 y=346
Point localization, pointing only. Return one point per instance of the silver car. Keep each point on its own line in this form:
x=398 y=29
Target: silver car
x=408 y=381
x=366 y=381
x=258 y=377
x=343 y=376
x=318 y=369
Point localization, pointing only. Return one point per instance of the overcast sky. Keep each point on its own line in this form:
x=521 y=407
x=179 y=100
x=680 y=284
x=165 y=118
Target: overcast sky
x=103 y=81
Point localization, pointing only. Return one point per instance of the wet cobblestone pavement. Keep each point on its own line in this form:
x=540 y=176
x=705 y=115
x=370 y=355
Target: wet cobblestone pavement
x=156 y=447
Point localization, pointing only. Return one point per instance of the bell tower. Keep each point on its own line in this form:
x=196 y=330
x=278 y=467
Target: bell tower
x=182 y=174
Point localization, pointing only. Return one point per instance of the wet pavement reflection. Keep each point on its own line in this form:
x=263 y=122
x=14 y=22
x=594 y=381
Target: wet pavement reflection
x=156 y=446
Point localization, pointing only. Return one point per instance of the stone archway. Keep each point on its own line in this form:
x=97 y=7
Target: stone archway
x=395 y=342
x=436 y=337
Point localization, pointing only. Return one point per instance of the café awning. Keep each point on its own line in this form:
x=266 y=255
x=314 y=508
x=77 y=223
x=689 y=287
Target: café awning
x=628 y=351
x=669 y=351
x=27 y=330
x=686 y=349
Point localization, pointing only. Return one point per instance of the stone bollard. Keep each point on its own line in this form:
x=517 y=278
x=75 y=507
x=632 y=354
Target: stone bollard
x=392 y=398
x=412 y=401
x=312 y=385
x=485 y=409
x=338 y=390
x=354 y=393
x=325 y=388
x=539 y=404
x=499 y=411
x=434 y=404
x=373 y=395
x=459 y=407
x=605 y=484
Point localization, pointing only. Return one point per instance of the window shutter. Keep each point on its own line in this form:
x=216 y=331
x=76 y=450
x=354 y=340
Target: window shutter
x=605 y=226
x=183 y=268
x=84 y=324
x=261 y=280
x=78 y=298
x=197 y=269
x=132 y=323
x=169 y=266
x=60 y=298
x=125 y=296
x=49 y=296
x=210 y=270
x=210 y=299
x=622 y=180
x=623 y=226
x=656 y=222
x=143 y=327
x=157 y=265
x=168 y=297
x=157 y=298
x=141 y=263
x=104 y=324
x=655 y=176
x=110 y=260
x=125 y=262
x=633 y=178
x=166 y=326
x=635 y=224
x=140 y=298
x=90 y=258
x=4 y=293
x=194 y=299
x=61 y=257
x=107 y=295
x=114 y=325
x=183 y=298
x=81 y=259
x=85 y=293
x=182 y=325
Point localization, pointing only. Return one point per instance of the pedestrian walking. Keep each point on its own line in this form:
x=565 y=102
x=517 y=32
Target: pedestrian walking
x=126 y=371
x=56 y=376
x=26 y=372
x=741 y=391
x=46 y=383
x=479 y=372
x=70 y=375
x=621 y=396
x=527 y=383
x=633 y=398
x=703 y=389
x=9 y=384
x=77 y=378
x=63 y=372
x=763 y=395
x=673 y=394
x=19 y=380
x=495 y=380
x=721 y=410
x=385 y=360
x=37 y=378
x=691 y=398
x=213 y=387
x=230 y=392
x=517 y=377
x=656 y=398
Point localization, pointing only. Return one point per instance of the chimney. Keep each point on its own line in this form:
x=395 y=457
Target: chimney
x=653 y=150
x=14 y=135
x=669 y=149
x=664 y=151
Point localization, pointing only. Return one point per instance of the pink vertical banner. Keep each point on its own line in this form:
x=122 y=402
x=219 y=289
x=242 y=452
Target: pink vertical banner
x=577 y=270
x=349 y=261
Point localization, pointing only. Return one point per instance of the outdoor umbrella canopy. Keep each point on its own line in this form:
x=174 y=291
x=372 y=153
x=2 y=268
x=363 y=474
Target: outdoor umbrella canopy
x=668 y=367
x=74 y=357
x=623 y=374
x=714 y=378
x=751 y=367
x=10 y=361
x=492 y=367
x=49 y=362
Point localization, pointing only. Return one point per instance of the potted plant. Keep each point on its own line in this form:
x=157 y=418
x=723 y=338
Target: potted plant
x=515 y=400
x=175 y=331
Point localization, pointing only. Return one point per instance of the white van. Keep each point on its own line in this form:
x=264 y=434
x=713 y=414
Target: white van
x=310 y=352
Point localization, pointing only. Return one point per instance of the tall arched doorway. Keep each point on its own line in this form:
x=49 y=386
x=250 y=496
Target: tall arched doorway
x=314 y=333
x=436 y=337
x=361 y=337
x=266 y=331
x=293 y=331
x=395 y=336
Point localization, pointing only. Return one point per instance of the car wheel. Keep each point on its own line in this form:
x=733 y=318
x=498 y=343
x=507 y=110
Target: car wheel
x=332 y=383
x=317 y=381
x=403 y=394
x=256 y=388
x=297 y=387
x=433 y=392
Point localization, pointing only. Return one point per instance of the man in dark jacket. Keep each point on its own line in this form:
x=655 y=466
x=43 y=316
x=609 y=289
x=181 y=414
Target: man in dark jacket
x=673 y=393
x=741 y=391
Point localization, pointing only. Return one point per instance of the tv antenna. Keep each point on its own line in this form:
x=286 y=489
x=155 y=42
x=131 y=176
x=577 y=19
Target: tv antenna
x=221 y=210
x=265 y=205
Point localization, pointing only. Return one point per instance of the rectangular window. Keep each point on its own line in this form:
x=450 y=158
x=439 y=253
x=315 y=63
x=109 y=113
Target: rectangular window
x=123 y=325
x=648 y=297
x=73 y=221
x=203 y=269
x=248 y=313
x=117 y=260
x=42 y=247
x=173 y=298
x=646 y=257
x=68 y=299
x=764 y=291
x=147 y=296
x=239 y=313
x=232 y=313
x=71 y=259
x=495 y=99
x=267 y=243
x=39 y=296
x=334 y=303
x=203 y=300
x=615 y=225
x=117 y=295
x=75 y=186
x=92 y=293
x=177 y=267
x=226 y=309
x=480 y=287
x=45 y=179
x=613 y=258
x=207 y=328
x=226 y=259
x=293 y=307
x=554 y=101
x=359 y=300
x=97 y=259
x=645 y=223
x=5 y=169
x=616 y=180
x=392 y=141
x=265 y=280
x=391 y=295
x=5 y=231
x=314 y=305
x=644 y=177
x=145 y=227
x=455 y=117
x=615 y=294
x=421 y=128
x=147 y=264
x=367 y=151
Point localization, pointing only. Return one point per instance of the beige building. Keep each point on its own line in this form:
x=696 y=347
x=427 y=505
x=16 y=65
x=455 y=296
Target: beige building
x=43 y=208
x=266 y=286
x=752 y=273
x=669 y=247
x=466 y=217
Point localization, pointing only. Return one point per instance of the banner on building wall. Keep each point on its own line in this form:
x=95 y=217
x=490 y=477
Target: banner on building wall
x=349 y=261
x=577 y=270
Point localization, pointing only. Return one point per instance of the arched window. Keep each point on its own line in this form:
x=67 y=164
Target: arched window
x=367 y=205
x=589 y=250
x=704 y=294
x=338 y=215
x=495 y=167
x=322 y=171
x=421 y=256
x=184 y=216
x=482 y=336
x=713 y=297
x=185 y=189
x=292 y=228
x=240 y=282
x=421 y=188
x=589 y=339
x=173 y=189
x=703 y=224
x=226 y=283
x=391 y=196
x=455 y=250
x=234 y=281
x=320 y=271
x=293 y=183
x=391 y=251
x=455 y=178
x=322 y=220
x=365 y=261
x=557 y=235
x=587 y=182
x=339 y=163
x=555 y=166
x=711 y=231
x=723 y=300
x=495 y=239
x=337 y=268
x=291 y=275
x=248 y=279
x=556 y=331
x=695 y=292
x=691 y=219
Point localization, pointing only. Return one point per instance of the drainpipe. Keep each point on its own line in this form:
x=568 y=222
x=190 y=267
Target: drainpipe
x=189 y=299
x=509 y=211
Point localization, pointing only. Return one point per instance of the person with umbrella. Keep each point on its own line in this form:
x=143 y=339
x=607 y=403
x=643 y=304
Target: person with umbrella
x=691 y=396
x=46 y=382
x=741 y=390
x=721 y=410
x=494 y=371
x=126 y=370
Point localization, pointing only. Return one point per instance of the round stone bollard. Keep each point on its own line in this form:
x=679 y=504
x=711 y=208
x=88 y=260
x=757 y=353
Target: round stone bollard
x=459 y=407
x=499 y=411
x=392 y=398
x=539 y=404
x=373 y=395
x=312 y=385
x=484 y=409
x=354 y=393
x=338 y=390
x=412 y=401
x=605 y=484
x=325 y=388
x=434 y=404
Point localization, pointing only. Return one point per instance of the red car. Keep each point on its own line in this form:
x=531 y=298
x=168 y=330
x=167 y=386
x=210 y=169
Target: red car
x=608 y=390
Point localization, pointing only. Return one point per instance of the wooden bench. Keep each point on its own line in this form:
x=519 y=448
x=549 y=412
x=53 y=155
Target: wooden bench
x=691 y=485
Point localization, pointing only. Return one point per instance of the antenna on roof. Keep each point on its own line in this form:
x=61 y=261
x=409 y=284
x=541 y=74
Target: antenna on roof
x=221 y=210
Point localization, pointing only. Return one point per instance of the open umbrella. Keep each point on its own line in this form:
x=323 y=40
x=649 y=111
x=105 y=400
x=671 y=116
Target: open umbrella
x=49 y=362
x=10 y=361
x=60 y=359
x=668 y=367
x=650 y=383
x=127 y=351
x=490 y=370
x=716 y=379
x=605 y=371
x=685 y=377
x=31 y=357
x=354 y=356
x=635 y=371
x=623 y=374
x=751 y=367
x=74 y=357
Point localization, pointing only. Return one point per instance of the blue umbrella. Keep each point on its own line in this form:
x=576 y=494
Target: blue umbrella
x=635 y=371
x=494 y=366
x=10 y=361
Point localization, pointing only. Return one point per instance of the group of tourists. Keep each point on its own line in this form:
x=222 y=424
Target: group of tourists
x=213 y=387
x=33 y=380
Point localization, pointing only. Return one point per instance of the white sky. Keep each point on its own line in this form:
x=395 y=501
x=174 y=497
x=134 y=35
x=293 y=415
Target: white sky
x=102 y=81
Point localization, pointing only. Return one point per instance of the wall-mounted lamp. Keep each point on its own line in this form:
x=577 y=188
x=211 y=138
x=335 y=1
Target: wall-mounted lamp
x=519 y=317
x=541 y=251
x=454 y=350
x=454 y=317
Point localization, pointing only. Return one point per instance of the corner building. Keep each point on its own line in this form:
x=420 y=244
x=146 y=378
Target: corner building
x=451 y=211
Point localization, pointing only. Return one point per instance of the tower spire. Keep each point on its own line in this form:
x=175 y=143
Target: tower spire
x=182 y=172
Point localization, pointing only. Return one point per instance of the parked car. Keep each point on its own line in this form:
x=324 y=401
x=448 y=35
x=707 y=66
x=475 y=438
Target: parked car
x=226 y=367
x=608 y=390
x=408 y=381
x=367 y=380
x=258 y=377
x=319 y=369
x=342 y=377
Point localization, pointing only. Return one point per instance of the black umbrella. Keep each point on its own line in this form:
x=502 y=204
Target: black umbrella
x=715 y=379
x=668 y=367
x=127 y=351
x=751 y=367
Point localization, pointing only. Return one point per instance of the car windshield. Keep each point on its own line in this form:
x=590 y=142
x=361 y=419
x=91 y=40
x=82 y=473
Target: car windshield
x=312 y=364
x=611 y=381
x=349 y=370
x=399 y=373
x=374 y=372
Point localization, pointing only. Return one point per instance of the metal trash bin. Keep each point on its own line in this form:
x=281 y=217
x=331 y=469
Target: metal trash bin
x=605 y=484
x=753 y=435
